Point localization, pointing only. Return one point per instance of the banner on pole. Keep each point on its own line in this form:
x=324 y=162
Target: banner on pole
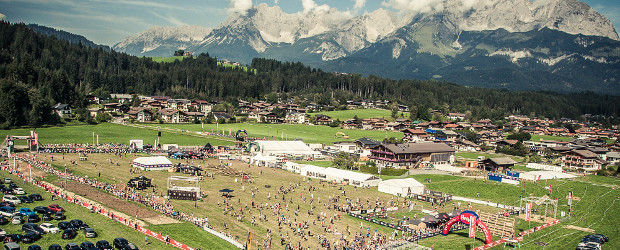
x=528 y=211
x=472 y=227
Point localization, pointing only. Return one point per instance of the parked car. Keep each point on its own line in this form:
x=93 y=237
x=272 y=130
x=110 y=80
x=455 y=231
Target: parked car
x=7 y=180
x=50 y=228
x=19 y=190
x=24 y=211
x=3 y=220
x=11 y=246
x=87 y=245
x=13 y=186
x=17 y=219
x=12 y=238
x=33 y=218
x=24 y=199
x=602 y=237
x=46 y=217
x=35 y=197
x=89 y=232
x=12 y=199
x=7 y=211
x=130 y=246
x=69 y=234
x=34 y=247
x=56 y=208
x=65 y=225
x=31 y=227
x=59 y=216
x=592 y=238
x=588 y=246
x=43 y=210
x=6 y=204
x=79 y=224
x=72 y=246
x=5 y=190
x=2 y=232
x=120 y=243
x=31 y=237
x=54 y=247
x=103 y=245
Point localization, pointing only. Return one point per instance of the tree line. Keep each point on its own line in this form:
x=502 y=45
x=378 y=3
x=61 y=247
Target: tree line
x=37 y=72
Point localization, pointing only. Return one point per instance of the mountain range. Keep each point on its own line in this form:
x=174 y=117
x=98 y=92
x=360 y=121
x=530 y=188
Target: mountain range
x=559 y=45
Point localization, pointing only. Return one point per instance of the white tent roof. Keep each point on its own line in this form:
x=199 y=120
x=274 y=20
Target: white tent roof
x=313 y=169
x=408 y=182
x=156 y=160
x=545 y=175
x=350 y=175
x=285 y=147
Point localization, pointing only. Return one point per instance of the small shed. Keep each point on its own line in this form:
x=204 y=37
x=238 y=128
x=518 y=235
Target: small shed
x=498 y=164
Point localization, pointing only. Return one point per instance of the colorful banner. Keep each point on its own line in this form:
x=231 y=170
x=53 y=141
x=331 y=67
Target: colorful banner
x=528 y=211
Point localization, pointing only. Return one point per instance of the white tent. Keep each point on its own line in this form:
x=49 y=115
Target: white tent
x=286 y=148
x=401 y=187
x=353 y=178
x=293 y=167
x=152 y=163
x=313 y=172
x=544 y=175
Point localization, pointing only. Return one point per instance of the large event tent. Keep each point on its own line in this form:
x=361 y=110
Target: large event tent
x=286 y=148
x=401 y=187
x=340 y=176
x=152 y=163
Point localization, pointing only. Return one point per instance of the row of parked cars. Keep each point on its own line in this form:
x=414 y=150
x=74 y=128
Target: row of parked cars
x=592 y=242
x=119 y=243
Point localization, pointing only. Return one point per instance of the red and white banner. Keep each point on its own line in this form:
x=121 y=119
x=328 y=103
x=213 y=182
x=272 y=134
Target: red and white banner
x=472 y=227
x=528 y=211
x=550 y=190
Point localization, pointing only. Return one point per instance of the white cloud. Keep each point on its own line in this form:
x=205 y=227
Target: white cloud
x=359 y=4
x=239 y=6
x=2 y=16
x=417 y=6
x=311 y=6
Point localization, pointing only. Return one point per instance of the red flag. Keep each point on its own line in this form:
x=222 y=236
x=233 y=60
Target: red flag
x=537 y=180
x=525 y=186
x=550 y=189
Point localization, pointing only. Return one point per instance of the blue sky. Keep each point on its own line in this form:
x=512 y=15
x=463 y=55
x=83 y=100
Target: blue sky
x=109 y=21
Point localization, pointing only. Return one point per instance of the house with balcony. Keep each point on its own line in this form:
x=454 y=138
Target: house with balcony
x=411 y=155
x=173 y=116
x=141 y=114
x=581 y=159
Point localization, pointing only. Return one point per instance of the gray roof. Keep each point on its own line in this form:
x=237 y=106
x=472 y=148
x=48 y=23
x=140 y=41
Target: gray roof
x=503 y=161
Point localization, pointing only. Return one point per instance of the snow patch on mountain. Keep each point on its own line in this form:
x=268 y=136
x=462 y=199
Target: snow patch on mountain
x=514 y=55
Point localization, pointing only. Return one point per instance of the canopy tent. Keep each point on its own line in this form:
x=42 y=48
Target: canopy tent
x=263 y=160
x=313 y=172
x=429 y=220
x=544 y=175
x=286 y=148
x=353 y=178
x=455 y=213
x=401 y=187
x=416 y=224
x=152 y=163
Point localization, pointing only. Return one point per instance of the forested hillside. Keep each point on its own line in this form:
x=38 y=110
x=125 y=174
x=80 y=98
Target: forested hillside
x=38 y=71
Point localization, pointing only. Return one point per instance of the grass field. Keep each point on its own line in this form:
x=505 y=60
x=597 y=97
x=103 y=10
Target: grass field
x=361 y=113
x=472 y=156
x=112 y=133
x=549 y=137
x=308 y=133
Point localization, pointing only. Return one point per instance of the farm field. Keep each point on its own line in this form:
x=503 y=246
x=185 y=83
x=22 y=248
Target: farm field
x=551 y=138
x=361 y=113
x=113 y=133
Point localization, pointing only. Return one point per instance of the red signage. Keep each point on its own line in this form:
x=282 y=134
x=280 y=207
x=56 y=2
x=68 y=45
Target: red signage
x=528 y=211
x=472 y=227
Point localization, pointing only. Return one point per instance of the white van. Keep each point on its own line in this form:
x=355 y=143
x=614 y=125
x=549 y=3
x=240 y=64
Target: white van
x=12 y=199
x=19 y=191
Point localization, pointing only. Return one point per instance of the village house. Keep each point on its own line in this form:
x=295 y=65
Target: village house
x=122 y=98
x=456 y=116
x=581 y=159
x=414 y=135
x=140 y=114
x=411 y=155
x=173 y=116
x=203 y=106
x=116 y=107
x=320 y=119
x=62 y=110
x=93 y=112
x=268 y=117
x=295 y=118
x=497 y=164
